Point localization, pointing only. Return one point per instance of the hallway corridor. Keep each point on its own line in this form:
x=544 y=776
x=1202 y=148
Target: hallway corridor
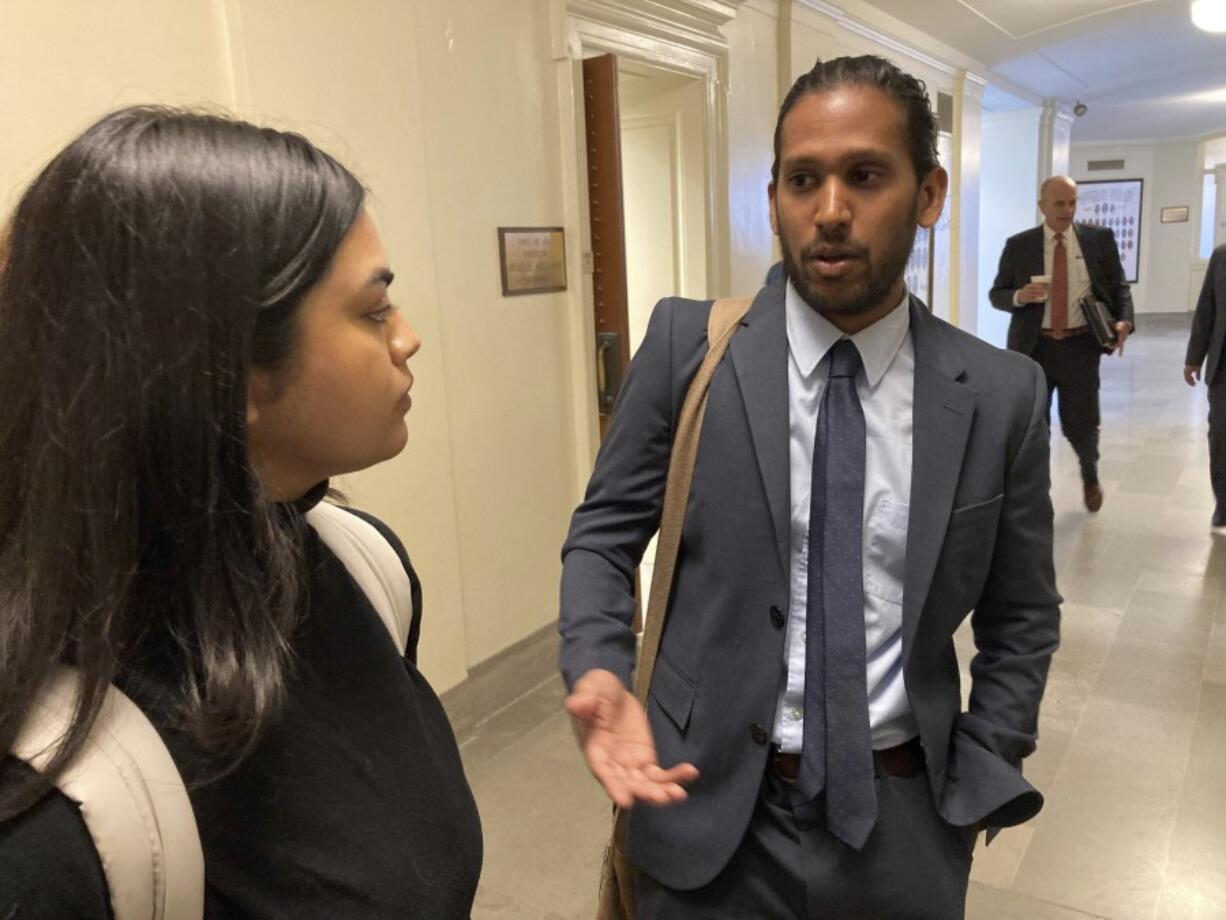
x=1133 y=726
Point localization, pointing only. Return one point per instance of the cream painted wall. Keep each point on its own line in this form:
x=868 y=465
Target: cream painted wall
x=1176 y=182
x=65 y=63
x=1009 y=190
x=489 y=120
x=753 y=102
x=445 y=111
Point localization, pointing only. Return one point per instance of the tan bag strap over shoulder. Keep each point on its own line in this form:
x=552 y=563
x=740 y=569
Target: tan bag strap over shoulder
x=726 y=316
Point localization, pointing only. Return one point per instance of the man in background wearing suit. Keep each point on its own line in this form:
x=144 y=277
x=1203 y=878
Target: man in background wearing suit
x=1205 y=347
x=1077 y=261
x=867 y=476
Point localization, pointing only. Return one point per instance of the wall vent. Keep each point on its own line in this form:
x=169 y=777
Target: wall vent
x=1099 y=165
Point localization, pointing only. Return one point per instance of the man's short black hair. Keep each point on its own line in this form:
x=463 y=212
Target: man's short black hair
x=876 y=72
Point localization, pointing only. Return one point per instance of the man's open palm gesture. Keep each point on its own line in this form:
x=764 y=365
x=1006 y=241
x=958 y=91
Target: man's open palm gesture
x=617 y=744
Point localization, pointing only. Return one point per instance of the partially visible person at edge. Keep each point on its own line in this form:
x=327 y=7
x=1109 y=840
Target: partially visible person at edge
x=199 y=336
x=1205 y=349
x=1076 y=261
x=868 y=475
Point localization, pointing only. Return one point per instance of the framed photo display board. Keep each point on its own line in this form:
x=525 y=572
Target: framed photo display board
x=1115 y=204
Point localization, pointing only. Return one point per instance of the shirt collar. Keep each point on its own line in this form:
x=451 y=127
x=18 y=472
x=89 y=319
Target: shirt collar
x=811 y=336
x=1049 y=235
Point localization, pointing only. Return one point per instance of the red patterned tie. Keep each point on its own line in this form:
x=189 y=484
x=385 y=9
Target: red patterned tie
x=1059 y=289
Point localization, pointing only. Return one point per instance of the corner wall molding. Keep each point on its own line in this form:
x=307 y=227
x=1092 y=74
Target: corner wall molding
x=848 y=22
x=693 y=24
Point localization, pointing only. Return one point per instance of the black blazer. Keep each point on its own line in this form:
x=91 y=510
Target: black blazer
x=1023 y=257
x=1209 y=321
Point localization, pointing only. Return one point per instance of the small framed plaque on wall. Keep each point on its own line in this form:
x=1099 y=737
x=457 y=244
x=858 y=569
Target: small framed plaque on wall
x=533 y=260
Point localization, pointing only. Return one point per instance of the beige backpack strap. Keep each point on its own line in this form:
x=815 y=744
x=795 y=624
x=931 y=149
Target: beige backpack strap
x=725 y=316
x=132 y=800
x=373 y=564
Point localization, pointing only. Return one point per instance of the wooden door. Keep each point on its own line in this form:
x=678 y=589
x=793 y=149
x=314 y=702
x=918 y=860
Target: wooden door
x=608 y=230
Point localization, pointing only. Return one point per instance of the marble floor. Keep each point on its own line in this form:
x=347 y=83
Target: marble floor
x=1132 y=748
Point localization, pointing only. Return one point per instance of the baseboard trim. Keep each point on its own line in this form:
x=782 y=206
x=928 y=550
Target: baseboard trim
x=500 y=680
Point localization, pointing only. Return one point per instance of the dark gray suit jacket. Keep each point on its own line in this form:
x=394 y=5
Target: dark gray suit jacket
x=1023 y=257
x=1209 y=321
x=980 y=538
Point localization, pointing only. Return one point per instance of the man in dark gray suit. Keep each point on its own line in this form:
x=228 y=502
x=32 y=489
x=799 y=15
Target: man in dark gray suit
x=1205 y=347
x=1046 y=275
x=867 y=476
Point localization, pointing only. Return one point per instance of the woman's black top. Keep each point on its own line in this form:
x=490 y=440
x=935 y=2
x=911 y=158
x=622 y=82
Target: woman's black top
x=353 y=805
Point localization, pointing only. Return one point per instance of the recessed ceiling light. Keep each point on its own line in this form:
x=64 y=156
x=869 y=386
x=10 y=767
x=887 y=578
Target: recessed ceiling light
x=1209 y=15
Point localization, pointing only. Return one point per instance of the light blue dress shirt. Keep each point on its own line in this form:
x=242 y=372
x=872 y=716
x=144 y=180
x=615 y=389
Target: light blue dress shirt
x=886 y=387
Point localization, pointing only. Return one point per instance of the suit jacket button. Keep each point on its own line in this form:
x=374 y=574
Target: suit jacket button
x=777 y=617
x=758 y=734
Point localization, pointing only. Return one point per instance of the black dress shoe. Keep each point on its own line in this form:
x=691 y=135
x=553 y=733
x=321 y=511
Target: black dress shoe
x=1093 y=496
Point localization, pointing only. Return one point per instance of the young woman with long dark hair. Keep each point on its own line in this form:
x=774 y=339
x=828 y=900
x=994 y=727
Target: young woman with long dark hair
x=195 y=334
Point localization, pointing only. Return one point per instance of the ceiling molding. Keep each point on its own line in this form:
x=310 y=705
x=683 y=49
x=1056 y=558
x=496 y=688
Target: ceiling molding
x=765 y=7
x=1030 y=115
x=1142 y=141
x=1064 y=23
x=851 y=24
x=693 y=23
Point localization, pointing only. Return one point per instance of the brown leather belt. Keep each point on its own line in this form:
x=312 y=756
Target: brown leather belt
x=907 y=759
x=1068 y=333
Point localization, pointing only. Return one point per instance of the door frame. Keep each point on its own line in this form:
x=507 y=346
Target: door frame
x=682 y=37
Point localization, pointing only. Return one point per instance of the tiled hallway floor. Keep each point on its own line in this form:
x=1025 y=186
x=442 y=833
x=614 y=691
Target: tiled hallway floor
x=1132 y=752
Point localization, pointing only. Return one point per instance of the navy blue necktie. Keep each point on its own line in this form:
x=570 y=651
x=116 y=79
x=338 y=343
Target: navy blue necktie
x=838 y=755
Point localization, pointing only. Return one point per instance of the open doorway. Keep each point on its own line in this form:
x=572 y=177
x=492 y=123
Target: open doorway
x=646 y=161
x=663 y=188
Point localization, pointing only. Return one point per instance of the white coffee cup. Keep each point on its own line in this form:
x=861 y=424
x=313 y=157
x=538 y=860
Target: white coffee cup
x=1044 y=280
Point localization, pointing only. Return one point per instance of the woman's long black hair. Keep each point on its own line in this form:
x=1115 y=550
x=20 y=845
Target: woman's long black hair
x=149 y=268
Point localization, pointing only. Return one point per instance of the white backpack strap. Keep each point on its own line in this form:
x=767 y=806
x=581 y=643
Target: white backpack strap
x=372 y=562
x=131 y=797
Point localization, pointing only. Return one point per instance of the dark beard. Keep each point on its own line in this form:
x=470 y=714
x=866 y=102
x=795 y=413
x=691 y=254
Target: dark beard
x=883 y=272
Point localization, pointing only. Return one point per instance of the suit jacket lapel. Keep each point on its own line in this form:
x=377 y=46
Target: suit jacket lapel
x=1034 y=255
x=759 y=352
x=941 y=421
